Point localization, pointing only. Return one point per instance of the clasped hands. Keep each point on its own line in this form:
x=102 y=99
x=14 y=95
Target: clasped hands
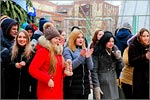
x=20 y=64
x=86 y=53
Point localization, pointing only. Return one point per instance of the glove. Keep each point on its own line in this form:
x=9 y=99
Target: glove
x=117 y=54
x=97 y=93
x=33 y=44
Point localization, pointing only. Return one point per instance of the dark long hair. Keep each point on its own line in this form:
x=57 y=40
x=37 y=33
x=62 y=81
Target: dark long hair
x=100 y=46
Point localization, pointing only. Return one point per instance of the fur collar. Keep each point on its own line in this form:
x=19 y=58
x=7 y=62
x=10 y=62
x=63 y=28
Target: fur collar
x=47 y=44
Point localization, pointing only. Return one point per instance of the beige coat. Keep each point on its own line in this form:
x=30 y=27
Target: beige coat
x=127 y=71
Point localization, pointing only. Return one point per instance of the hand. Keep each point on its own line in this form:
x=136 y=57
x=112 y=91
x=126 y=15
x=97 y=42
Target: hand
x=68 y=73
x=68 y=68
x=22 y=63
x=69 y=62
x=18 y=65
x=51 y=83
x=148 y=55
x=83 y=52
x=117 y=54
x=97 y=93
x=119 y=83
x=89 y=53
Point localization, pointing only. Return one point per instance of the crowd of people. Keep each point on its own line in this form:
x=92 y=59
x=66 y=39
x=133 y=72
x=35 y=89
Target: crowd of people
x=40 y=62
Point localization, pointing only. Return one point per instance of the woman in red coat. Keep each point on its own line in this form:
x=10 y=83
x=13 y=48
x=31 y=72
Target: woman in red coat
x=47 y=65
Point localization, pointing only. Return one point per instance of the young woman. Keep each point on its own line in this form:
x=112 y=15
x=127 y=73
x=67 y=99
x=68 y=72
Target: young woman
x=97 y=36
x=62 y=37
x=30 y=30
x=47 y=65
x=126 y=76
x=22 y=85
x=139 y=56
x=104 y=75
x=78 y=85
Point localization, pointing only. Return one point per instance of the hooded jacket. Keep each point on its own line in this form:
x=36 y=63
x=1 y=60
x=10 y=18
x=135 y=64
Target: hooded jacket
x=6 y=26
x=121 y=38
x=6 y=43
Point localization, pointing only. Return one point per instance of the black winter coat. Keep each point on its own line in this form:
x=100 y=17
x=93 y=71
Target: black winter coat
x=78 y=83
x=21 y=84
x=137 y=59
x=5 y=50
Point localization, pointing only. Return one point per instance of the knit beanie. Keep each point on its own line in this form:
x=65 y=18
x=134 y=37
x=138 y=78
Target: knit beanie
x=7 y=24
x=47 y=24
x=42 y=21
x=51 y=32
x=126 y=25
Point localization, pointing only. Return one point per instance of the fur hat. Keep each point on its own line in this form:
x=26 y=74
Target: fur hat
x=51 y=32
x=42 y=21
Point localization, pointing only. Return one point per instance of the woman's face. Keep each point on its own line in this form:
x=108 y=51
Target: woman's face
x=30 y=33
x=99 y=35
x=63 y=35
x=145 y=38
x=22 y=39
x=63 y=38
x=110 y=43
x=80 y=40
x=55 y=40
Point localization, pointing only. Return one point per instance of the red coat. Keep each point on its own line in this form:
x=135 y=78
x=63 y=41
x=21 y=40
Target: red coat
x=39 y=69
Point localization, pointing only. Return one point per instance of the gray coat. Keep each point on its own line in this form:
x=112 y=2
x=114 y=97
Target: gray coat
x=104 y=74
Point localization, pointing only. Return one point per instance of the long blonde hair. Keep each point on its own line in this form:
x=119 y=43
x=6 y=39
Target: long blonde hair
x=28 y=48
x=72 y=39
x=54 y=50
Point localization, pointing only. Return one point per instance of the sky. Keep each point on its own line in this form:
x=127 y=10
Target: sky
x=114 y=2
x=62 y=2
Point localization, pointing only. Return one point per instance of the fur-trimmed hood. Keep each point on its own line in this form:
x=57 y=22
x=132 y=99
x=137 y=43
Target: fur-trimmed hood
x=42 y=41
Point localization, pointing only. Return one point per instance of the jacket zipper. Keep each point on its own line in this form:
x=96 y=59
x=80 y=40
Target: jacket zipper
x=83 y=80
x=19 y=78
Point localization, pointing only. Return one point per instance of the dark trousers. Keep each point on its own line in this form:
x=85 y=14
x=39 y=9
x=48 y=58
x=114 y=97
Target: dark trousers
x=127 y=89
x=75 y=96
